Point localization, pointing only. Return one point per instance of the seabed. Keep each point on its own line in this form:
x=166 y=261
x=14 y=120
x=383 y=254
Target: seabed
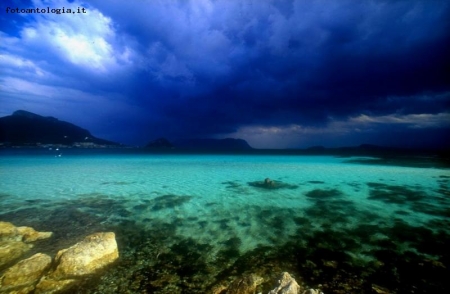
x=394 y=238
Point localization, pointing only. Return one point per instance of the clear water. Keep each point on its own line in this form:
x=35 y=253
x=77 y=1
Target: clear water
x=360 y=211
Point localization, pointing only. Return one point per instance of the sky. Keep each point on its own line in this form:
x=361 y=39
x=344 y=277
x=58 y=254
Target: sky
x=279 y=74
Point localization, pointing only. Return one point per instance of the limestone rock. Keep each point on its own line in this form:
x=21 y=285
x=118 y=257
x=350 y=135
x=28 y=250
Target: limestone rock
x=13 y=239
x=25 y=290
x=12 y=250
x=80 y=260
x=245 y=285
x=30 y=235
x=84 y=258
x=47 y=286
x=379 y=290
x=286 y=285
x=6 y=230
x=23 y=276
x=218 y=289
x=312 y=291
x=9 y=232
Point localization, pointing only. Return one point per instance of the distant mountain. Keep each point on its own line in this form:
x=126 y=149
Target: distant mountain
x=213 y=144
x=24 y=128
x=161 y=143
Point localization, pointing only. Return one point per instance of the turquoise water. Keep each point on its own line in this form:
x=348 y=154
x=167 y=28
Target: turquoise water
x=325 y=219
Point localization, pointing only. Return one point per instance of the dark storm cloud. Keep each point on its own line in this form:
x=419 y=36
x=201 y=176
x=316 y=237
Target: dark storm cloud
x=314 y=60
x=206 y=68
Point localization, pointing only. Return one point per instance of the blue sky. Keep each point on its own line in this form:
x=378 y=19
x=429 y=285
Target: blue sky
x=280 y=74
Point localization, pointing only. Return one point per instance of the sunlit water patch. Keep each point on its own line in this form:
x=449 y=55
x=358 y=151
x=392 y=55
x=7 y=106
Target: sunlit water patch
x=189 y=221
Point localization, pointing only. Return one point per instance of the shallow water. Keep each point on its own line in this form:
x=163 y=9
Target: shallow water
x=187 y=222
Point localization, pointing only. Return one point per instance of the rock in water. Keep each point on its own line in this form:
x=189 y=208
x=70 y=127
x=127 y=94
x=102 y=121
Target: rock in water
x=12 y=250
x=85 y=258
x=14 y=241
x=286 y=285
x=9 y=232
x=47 y=286
x=312 y=291
x=6 y=230
x=272 y=185
x=245 y=285
x=30 y=235
x=23 y=276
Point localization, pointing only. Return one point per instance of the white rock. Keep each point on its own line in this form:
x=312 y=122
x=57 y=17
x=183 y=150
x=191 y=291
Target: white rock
x=286 y=285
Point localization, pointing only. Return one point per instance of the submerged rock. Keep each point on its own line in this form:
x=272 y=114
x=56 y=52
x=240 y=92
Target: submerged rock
x=245 y=285
x=252 y=284
x=313 y=291
x=169 y=201
x=272 y=184
x=12 y=250
x=380 y=290
x=14 y=241
x=321 y=194
x=85 y=258
x=286 y=285
x=9 y=232
x=47 y=286
x=30 y=235
x=23 y=276
x=269 y=183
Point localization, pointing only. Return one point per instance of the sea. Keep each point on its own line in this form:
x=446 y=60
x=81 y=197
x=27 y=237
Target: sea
x=185 y=223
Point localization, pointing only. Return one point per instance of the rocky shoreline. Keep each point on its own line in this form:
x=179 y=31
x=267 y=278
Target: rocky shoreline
x=40 y=273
